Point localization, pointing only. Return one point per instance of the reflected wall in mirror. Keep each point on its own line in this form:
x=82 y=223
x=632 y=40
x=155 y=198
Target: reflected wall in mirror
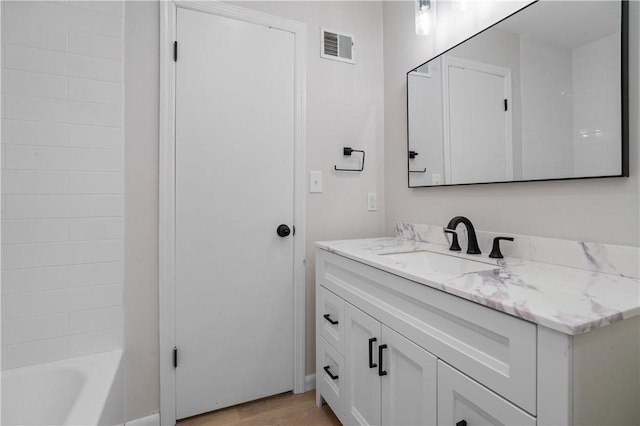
x=539 y=96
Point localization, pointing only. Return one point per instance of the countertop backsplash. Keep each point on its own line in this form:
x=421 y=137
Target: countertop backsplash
x=590 y=256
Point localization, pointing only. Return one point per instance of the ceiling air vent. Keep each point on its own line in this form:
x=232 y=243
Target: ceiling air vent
x=336 y=46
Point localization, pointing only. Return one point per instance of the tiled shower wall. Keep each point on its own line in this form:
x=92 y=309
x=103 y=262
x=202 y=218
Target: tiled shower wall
x=62 y=180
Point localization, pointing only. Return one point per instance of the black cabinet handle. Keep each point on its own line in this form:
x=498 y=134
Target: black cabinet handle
x=371 y=363
x=381 y=372
x=328 y=318
x=462 y=423
x=328 y=371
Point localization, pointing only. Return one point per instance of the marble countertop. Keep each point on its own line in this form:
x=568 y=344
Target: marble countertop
x=570 y=300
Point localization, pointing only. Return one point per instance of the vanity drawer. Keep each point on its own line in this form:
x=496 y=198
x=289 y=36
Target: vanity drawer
x=330 y=362
x=496 y=349
x=463 y=399
x=331 y=319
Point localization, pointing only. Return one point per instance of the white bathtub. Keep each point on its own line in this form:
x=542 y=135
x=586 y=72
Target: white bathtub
x=78 y=391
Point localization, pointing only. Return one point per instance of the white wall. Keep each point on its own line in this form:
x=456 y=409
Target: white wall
x=604 y=210
x=62 y=180
x=344 y=108
x=141 y=74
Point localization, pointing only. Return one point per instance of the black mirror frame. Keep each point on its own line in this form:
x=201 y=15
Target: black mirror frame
x=624 y=68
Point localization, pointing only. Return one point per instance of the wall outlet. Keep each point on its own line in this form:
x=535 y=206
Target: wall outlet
x=315 y=181
x=372 y=202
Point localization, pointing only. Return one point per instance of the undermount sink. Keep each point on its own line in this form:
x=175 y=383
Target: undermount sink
x=429 y=262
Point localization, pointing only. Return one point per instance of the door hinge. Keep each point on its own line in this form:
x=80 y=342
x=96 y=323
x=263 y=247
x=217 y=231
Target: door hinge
x=175 y=51
x=506 y=107
x=175 y=357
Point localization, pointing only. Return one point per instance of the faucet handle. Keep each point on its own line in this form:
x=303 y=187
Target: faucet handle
x=455 y=246
x=495 y=251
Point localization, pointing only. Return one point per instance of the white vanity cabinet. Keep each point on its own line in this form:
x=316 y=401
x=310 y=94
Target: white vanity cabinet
x=449 y=361
x=388 y=379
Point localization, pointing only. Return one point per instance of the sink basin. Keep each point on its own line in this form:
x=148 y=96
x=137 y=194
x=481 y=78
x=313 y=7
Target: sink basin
x=428 y=262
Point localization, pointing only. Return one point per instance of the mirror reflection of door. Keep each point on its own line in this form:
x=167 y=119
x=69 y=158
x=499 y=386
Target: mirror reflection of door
x=477 y=122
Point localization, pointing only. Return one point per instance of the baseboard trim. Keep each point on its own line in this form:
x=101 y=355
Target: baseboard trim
x=152 y=420
x=309 y=382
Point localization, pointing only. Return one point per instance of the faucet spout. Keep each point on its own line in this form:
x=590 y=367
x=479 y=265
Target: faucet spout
x=471 y=233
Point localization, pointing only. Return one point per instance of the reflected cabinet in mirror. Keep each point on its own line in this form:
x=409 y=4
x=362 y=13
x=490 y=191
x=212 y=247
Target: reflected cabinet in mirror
x=540 y=95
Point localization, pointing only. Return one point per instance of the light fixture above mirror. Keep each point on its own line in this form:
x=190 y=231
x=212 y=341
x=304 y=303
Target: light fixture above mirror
x=425 y=12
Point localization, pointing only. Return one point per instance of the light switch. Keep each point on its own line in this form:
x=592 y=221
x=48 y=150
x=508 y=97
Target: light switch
x=315 y=181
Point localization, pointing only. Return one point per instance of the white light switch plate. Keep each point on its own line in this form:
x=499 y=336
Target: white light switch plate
x=315 y=181
x=372 y=202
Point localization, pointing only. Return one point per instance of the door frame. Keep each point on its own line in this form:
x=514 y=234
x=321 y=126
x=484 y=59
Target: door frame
x=448 y=61
x=166 y=255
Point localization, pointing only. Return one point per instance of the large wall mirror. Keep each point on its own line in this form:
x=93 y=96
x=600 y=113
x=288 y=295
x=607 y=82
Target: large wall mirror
x=540 y=95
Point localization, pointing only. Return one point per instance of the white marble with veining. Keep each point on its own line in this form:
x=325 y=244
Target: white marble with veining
x=563 y=298
x=596 y=257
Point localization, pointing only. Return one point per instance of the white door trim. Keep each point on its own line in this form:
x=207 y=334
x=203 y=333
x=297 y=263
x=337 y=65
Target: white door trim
x=167 y=314
x=448 y=61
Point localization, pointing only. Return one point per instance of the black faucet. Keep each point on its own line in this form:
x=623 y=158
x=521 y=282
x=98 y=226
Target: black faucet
x=471 y=233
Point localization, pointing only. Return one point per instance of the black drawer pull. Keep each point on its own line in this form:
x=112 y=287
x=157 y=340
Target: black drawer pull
x=462 y=423
x=326 y=368
x=328 y=318
x=371 y=363
x=381 y=372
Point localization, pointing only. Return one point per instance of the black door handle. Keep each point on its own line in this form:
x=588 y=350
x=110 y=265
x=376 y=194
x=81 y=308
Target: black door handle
x=328 y=318
x=381 y=372
x=371 y=363
x=283 y=231
x=326 y=368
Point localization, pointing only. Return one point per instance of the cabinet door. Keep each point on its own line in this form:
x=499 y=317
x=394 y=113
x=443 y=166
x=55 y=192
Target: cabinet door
x=409 y=388
x=462 y=400
x=362 y=383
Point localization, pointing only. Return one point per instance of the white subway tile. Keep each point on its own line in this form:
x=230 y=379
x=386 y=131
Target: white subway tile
x=96 y=320
x=95 y=91
x=33 y=182
x=37 y=109
x=98 y=296
x=37 y=304
x=36 y=60
x=74 y=18
x=96 y=273
x=96 y=183
x=95 y=114
x=61 y=158
x=34 y=84
x=43 y=12
x=50 y=62
x=109 y=228
x=58 y=206
x=34 y=231
x=96 y=45
x=56 y=254
x=62 y=111
x=26 y=33
x=95 y=137
x=95 y=22
x=19 y=132
x=16 y=281
x=23 y=354
x=114 y=7
x=38 y=328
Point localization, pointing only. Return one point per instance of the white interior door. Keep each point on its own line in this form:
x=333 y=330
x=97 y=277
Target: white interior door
x=479 y=130
x=234 y=187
